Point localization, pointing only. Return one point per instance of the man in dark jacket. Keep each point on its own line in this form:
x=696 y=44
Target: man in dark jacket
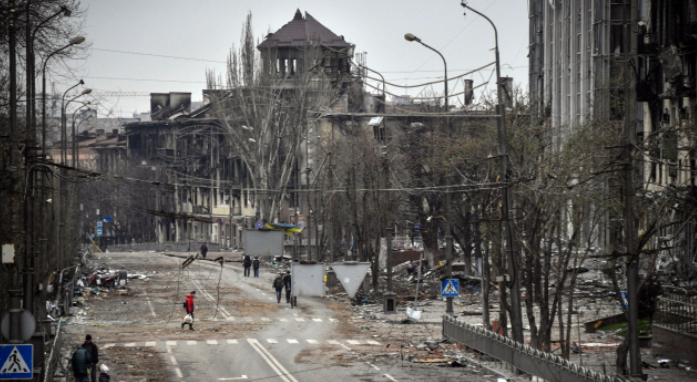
x=247 y=263
x=287 y=285
x=255 y=266
x=204 y=250
x=189 y=305
x=81 y=361
x=94 y=356
x=278 y=286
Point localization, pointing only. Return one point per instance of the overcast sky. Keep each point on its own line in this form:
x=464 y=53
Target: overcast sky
x=205 y=31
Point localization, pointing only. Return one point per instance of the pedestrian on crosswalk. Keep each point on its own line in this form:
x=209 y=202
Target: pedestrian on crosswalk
x=189 y=306
x=287 y=284
x=278 y=285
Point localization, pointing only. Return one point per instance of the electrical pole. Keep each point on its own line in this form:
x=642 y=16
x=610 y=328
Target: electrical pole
x=630 y=39
x=509 y=238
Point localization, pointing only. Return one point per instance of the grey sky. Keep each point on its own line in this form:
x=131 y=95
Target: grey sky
x=207 y=29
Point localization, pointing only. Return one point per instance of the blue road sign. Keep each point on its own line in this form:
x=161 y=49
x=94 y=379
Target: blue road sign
x=108 y=219
x=260 y=225
x=16 y=361
x=450 y=288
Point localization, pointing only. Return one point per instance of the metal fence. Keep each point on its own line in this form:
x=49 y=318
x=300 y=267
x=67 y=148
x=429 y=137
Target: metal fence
x=544 y=365
x=176 y=246
x=677 y=311
x=54 y=356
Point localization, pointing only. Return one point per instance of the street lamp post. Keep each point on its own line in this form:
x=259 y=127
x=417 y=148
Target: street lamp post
x=448 y=196
x=64 y=132
x=73 y=41
x=511 y=251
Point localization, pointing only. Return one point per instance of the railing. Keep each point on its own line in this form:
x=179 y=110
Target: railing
x=176 y=246
x=544 y=365
x=54 y=356
x=677 y=311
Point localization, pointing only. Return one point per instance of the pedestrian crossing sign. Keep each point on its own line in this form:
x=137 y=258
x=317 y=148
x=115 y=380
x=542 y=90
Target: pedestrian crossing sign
x=16 y=362
x=450 y=288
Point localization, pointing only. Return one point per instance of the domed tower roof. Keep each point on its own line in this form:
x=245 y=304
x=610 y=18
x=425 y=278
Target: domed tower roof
x=301 y=30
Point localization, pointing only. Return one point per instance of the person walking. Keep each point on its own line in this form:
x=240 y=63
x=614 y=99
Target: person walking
x=204 y=250
x=255 y=265
x=278 y=285
x=247 y=263
x=189 y=305
x=287 y=284
x=92 y=349
x=81 y=362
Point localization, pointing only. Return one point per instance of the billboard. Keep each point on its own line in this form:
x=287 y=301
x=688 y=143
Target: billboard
x=267 y=243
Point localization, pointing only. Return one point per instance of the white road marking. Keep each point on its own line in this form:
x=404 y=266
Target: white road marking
x=283 y=320
x=270 y=299
x=212 y=342
x=262 y=293
x=151 y=343
x=258 y=290
x=390 y=378
x=333 y=320
x=299 y=319
x=174 y=361
x=292 y=341
x=373 y=343
x=353 y=342
x=233 y=379
x=295 y=314
x=345 y=347
x=232 y=341
x=271 y=341
x=225 y=311
x=179 y=372
x=275 y=365
x=317 y=319
x=169 y=349
x=149 y=304
x=247 y=319
x=191 y=342
x=314 y=342
x=333 y=342
x=230 y=318
x=171 y=343
x=374 y=367
x=265 y=319
x=109 y=346
x=130 y=345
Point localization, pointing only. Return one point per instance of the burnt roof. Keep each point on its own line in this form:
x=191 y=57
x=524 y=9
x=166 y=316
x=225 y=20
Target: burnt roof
x=300 y=31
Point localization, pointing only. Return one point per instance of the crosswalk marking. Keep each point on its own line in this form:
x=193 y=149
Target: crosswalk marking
x=235 y=341
x=284 y=320
x=179 y=372
x=230 y=318
x=333 y=320
x=247 y=319
x=299 y=319
x=317 y=319
x=265 y=319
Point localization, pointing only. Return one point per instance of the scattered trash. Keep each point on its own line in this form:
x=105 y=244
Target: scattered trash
x=664 y=363
x=413 y=314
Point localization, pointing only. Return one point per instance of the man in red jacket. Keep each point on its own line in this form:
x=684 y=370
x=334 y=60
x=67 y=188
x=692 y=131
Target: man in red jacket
x=190 y=309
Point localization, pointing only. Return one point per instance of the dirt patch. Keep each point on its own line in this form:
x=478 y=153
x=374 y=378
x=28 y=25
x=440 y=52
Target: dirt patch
x=249 y=307
x=316 y=355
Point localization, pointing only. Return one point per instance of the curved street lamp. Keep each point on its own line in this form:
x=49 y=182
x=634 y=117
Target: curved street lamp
x=448 y=196
x=73 y=41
